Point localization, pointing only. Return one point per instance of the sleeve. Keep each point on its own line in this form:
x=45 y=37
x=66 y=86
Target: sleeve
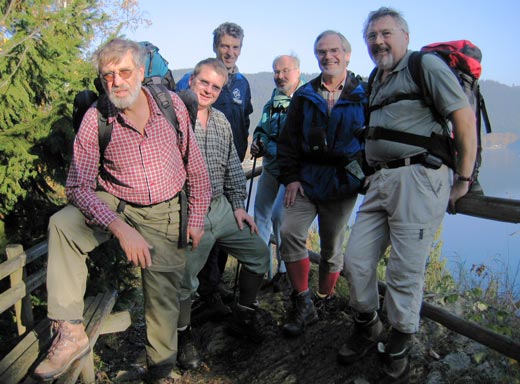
x=183 y=83
x=82 y=177
x=248 y=110
x=261 y=130
x=289 y=143
x=234 y=177
x=444 y=88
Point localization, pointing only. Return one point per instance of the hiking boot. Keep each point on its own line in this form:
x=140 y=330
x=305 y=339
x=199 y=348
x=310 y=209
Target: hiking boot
x=281 y=282
x=324 y=304
x=226 y=293
x=210 y=307
x=396 y=366
x=302 y=314
x=365 y=336
x=70 y=344
x=187 y=355
x=245 y=323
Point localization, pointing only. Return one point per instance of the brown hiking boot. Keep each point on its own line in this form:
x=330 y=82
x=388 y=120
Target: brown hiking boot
x=366 y=335
x=70 y=343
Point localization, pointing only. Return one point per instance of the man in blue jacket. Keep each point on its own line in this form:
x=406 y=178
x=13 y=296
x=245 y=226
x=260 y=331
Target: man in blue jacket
x=235 y=98
x=315 y=149
x=235 y=103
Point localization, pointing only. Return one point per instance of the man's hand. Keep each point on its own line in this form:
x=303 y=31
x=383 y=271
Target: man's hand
x=136 y=248
x=242 y=216
x=459 y=189
x=195 y=234
x=290 y=193
x=257 y=148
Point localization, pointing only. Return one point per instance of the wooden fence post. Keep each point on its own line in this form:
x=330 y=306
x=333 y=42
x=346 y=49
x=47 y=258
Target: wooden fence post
x=23 y=308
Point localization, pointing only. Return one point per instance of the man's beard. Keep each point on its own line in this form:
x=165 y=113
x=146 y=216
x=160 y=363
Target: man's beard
x=384 y=62
x=285 y=88
x=128 y=101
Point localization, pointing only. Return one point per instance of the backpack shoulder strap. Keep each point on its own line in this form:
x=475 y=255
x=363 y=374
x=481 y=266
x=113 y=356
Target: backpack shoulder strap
x=104 y=128
x=416 y=70
x=482 y=111
x=190 y=100
x=370 y=80
x=163 y=99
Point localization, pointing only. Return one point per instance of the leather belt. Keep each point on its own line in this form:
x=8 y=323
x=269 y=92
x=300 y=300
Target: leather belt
x=417 y=159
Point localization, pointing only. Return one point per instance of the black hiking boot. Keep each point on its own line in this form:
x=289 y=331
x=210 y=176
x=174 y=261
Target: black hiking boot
x=226 y=293
x=302 y=314
x=210 y=307
x=396 y=366
x=245 y=323
x=280 y=282
x=187 y=355
x=324 y=305
x=365 y=337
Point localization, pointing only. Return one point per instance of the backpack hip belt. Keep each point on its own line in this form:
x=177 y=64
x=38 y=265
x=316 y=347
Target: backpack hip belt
x=440 y=146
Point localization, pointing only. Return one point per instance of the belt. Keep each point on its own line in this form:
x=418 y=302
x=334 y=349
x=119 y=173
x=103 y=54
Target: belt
x=183 y=225
x=417 y=159
x=123 y=203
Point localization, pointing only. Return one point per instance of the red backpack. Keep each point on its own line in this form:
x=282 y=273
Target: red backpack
x=463 y=57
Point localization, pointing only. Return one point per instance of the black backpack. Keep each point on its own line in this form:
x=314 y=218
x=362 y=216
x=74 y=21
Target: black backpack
x=463 y=58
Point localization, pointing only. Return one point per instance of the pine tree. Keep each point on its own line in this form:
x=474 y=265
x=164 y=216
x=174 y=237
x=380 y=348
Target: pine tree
x=43 y=46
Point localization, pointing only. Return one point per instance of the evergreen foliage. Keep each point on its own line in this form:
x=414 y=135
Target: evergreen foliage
x=43 y=45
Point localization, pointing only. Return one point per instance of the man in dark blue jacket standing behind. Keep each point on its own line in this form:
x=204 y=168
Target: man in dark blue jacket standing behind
x=315 y=150
x=235 y=103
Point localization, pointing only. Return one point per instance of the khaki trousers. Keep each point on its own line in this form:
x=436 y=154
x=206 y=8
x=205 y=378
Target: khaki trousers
x=70 y=241
x=332 y=225
x=403 y=207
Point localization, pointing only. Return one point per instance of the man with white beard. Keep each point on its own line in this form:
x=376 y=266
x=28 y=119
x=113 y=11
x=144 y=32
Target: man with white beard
x=135 y=195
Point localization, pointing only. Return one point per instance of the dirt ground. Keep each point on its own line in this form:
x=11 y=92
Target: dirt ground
x=308 y=359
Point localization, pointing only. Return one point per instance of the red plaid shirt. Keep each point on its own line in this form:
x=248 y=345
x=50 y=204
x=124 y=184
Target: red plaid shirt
x=140 y=169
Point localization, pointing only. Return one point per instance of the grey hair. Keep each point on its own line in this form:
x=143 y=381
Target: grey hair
x=294 y=58
x=382 y=12
x=114 y=51
x=231 y=29
x=344 y=42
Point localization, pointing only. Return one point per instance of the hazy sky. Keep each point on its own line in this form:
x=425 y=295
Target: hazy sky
x=183 y=30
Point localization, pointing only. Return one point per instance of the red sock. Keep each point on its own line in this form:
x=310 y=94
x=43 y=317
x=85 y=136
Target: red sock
x=327 y=282
x=298 y=272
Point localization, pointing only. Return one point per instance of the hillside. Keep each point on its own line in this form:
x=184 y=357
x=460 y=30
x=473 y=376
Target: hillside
x=502 y=102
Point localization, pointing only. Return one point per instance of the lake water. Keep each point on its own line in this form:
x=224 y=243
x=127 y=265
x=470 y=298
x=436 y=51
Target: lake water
x=469 y=241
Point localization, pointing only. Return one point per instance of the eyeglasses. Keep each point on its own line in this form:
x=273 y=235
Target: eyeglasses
x=206 y=84
x=332 y=51
x=284 y=71
x=123 y=73
x=385 y=34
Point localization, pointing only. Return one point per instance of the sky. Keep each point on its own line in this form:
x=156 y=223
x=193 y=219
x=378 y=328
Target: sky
x=183 y=30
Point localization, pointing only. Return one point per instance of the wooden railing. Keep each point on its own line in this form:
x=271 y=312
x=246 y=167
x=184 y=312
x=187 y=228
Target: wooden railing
x=482 y=206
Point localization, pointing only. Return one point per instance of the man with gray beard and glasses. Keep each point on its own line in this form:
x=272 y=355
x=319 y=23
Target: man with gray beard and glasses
x=407 y=195
x=135 y=196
